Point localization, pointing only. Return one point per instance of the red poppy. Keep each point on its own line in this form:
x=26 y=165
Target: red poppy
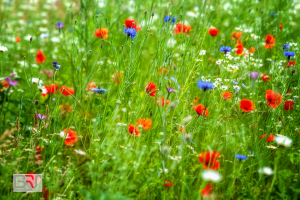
x=146 y=123
x=90 y=86
x=290 y=63
x=270 y=138
x=239 y=47
x=195 y=101
x=181 y=28
x=132 y=128
x=71 y=137
x=50 y=89
x=200 y=109
x=168 y=183
x=209 y=160
x=4 y=84
x=162 y=101
x=281 y=26
x=273 y=98
x=130 y=23
x=66 y=91
x=236 y=35
x=265 y=77
x=45 y=193
x=251 y=49
x=213 y=32
x=247 y=105
x=40 y=57
x=102 y=33
x=227 y=95
x=206 y=190
x=270 y=41
x=151 y=89
x=38 y=154
x=116 y=77
x=18 y=39
x=262 y=136
x=288 y=105
x=182 y=129
x=162 y=70
x=289 y=92
x=66 y=108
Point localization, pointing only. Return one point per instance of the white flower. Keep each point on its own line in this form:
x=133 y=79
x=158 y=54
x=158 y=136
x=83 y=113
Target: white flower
x=283 y=141
x=171 y=42
x=80 y=152
x=36 y=81
x=3 y=48
x=266 y=171
x=211 y=175
x=62 y=134
x=202 y=52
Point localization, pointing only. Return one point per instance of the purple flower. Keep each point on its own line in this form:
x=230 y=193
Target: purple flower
x=12 y=75
x=254 y=75
x=40 y=116
x=36 y=101
x=171 y=90
x=11 y=82
x=59 y=25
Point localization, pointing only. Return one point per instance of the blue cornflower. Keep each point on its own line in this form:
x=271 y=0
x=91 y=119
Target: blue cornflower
x=59 y=25
x=225 y=49
x=131 y=32
x=205 y=85
x=241 y=157
x=289 y=53
x=235 y=82
x=55 y=65
x=273 y=13
x=243 y=85
x=169 y=18
x=99 y=90
x=286 y=46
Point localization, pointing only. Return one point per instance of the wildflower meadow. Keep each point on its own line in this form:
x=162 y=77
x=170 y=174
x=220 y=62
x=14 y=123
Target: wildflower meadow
x=145 y=99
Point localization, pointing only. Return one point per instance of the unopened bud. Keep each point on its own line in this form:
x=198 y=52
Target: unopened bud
x=165 y=149
x=30 y=39
x=145 y=12
x=101 y=45
x=293 y=70
x=75 y=21
x=152 y=14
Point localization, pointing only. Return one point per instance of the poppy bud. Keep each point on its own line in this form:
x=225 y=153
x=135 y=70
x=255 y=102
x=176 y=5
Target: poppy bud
x=152 y=14
x=249 y=9
x=165 y=149
x=188 y=137
x=145 y=12
x=30 y=39
x=101 y=45
x=293 y=71
x=90 y=51
x=75 y=21
x=172 y=105
x=96 y=16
